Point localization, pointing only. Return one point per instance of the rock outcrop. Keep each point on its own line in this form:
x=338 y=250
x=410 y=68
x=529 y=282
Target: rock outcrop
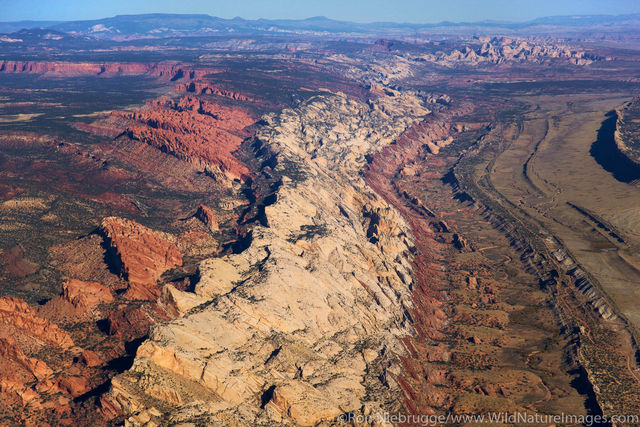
x=206 y=215
x=198 y=131
x=207 y=88
x=85 y=295
x=498 y=50
x=302 y=325
x=17 y=316
x=164 y=71
x=626 y=137
x=140 y=255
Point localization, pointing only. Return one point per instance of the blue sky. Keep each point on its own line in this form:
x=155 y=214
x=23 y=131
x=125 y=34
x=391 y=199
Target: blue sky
x=422 y=11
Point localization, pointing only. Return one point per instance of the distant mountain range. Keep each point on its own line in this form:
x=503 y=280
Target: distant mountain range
x=166 y=25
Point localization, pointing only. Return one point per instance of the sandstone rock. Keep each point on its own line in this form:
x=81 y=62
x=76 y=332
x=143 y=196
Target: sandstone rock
x=176 y=302
x=11 y=355
x=197 y=131
x=90 y=358
x=499 y=50
x=85 y=295
x=305 y=405
x=165 y=71
x=129 y=322
x=206 y=215
x=206 y=88
x=17 y=315
x=75 y=386
x=140 y=254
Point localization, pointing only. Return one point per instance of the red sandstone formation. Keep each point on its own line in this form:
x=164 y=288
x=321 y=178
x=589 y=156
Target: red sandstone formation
x=205 y=88
x=85 y=295
x=194 y=130
x=140 y=254
x=206 y=215
x=15 y=362
x=429 y=317
x=17 y=374
x=128 y=322
x=17 y=317
x=165 y=71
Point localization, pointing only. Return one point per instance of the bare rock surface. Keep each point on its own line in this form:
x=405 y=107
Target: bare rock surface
x=140 y=254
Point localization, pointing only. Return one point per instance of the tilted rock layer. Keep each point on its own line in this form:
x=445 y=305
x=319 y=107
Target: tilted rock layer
x=198 y=131
x=140 y=254
x=165 y=71
x=300 y=326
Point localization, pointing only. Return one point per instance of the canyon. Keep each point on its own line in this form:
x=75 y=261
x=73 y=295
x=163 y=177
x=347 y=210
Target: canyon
x=358 y=227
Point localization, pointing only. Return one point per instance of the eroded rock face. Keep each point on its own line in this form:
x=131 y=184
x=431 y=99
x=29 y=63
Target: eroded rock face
x=166 y=71
x=300 y=326
x=85 y=295
x=200 y=132
x=498 y=50
x=140 y=254
x=206 y=215
x=625 y=137
x=16 y=315
x=206 y=88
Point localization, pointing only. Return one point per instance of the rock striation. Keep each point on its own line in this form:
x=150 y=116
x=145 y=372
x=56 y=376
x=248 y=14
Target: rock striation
x=16 y=315
x=301 y=325
x=85 y=296
x=160 y=70
x=198 y=131
x=499 y=50
x=206 y=215
x=208 y=88
x=140 y=255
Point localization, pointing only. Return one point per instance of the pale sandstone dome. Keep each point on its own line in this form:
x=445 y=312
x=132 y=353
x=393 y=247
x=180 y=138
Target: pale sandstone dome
x=304 y=320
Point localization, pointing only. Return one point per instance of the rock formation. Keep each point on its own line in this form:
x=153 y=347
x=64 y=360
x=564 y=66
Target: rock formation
x=498 y=50
x=140 y=255
x=207 y=88
x=625 y=135
x=17 y=316
x=194 y=130
x=85 y=295
x=206 y=215
x=165 y=71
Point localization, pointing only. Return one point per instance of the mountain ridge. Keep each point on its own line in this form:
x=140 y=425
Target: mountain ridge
x=162 y=24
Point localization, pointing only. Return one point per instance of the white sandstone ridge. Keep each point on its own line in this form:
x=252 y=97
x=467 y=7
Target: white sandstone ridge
x=304 y=324
x=498 y=50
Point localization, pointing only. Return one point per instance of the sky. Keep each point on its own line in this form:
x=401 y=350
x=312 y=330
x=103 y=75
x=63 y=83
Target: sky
x=416 y=11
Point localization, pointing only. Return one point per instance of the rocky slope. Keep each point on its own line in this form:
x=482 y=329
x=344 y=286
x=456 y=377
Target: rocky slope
x=301 y=325
x=198 y=131
x=139 y=254
x=498 y=50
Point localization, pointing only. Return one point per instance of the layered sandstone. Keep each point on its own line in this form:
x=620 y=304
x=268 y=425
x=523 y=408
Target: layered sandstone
x=198 y=131
x=85 y=295
x=208 y=88
x=165 y=71
x=206 y=215
x=16 y=315
x=303 y=324
x=140 y=255
x=499 y=50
